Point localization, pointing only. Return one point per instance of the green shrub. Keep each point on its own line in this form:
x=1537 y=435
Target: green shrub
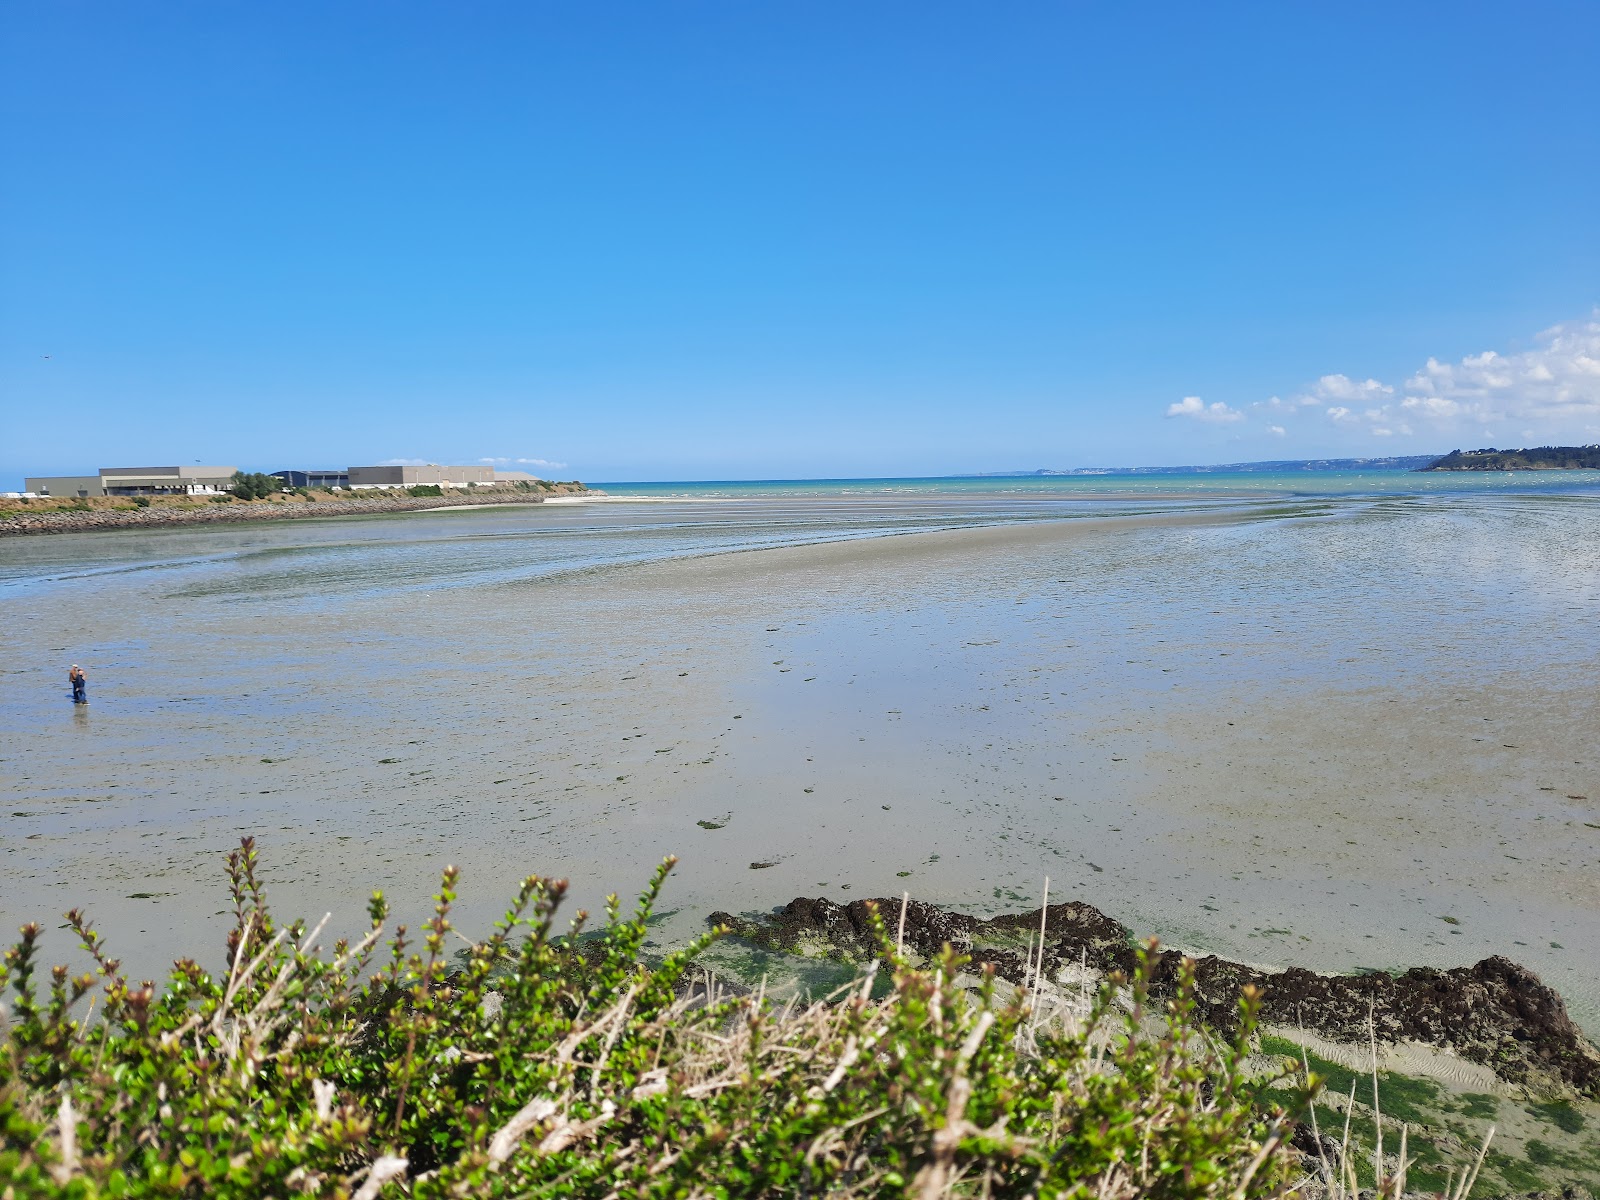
x=141 y=501
x=425 y=489
x=255 y=485
x=538 y=1063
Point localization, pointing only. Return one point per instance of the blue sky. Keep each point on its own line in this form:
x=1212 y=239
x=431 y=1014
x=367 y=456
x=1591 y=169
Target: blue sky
x=718 y=240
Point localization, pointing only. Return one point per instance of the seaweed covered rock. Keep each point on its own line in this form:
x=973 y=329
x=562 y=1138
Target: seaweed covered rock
x=1495 y=1012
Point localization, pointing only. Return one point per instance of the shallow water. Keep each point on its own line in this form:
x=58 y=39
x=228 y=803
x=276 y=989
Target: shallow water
x=1286 y=729
x=1152 y=484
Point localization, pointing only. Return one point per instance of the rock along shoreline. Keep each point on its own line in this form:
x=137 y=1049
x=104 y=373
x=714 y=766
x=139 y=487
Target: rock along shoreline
x=1495 y=1013
x=80 y=520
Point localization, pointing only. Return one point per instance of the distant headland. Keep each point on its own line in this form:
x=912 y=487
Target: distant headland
x=1537 y=458
x=1405 y=462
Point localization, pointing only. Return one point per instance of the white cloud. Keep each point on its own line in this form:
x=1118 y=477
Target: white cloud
x=406 y=462
x=1379 y=421
x=1216 y=412
x=1278 y=405
x=1555 y=385
x=1549 y=392
x=1345 y=390
x=524 y=462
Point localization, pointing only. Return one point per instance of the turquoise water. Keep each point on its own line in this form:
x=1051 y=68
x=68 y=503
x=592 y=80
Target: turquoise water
x=470 y=546
x=322 y=560
x=1252 y=483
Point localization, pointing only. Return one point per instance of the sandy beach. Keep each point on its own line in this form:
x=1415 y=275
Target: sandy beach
x=1341 y=734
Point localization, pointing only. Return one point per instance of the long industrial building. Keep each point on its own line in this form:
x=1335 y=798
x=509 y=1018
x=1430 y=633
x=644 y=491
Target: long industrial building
x=200 y=481
x=421 y=474
x=326 y=479
x=136 y=481
x=412 y=476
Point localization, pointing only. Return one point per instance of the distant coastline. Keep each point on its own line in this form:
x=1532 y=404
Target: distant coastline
x=41 y=516
x=1405 y=462
x=1536 y=458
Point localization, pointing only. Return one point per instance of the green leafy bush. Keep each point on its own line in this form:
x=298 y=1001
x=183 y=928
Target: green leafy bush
x=540 y=1062
x=425 y=489
x=255 y=485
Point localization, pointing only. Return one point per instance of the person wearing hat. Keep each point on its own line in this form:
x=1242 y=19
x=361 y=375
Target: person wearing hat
x=80 y=686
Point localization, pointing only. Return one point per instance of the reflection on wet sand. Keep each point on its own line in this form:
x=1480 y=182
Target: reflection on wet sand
x=1342 y=733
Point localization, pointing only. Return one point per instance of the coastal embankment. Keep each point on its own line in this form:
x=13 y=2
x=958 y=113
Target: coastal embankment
x=64 y=516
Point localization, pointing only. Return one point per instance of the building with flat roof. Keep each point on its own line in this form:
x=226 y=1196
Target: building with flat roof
x=330 y=478
x=135 y=481
x=415 y=476
x=202 y=480
x=166 y=481
x=70 y=486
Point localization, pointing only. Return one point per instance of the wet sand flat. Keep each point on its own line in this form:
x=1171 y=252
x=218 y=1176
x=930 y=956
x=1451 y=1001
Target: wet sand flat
x=1349 y=733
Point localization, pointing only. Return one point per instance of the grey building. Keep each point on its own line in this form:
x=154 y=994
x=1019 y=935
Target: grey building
x=135 y=481
x=330 y=478
x=64 y=485
x=165 y=481
x=414 y=476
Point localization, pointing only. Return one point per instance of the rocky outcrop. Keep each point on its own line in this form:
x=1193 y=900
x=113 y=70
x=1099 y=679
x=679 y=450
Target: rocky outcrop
x=1496 y=1012
x=77 y=520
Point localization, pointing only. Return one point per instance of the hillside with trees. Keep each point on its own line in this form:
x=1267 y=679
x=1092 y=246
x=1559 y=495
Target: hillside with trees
x=1537 y=458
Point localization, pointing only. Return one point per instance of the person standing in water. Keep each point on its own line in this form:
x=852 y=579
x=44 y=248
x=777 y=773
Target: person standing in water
x=80 y=685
